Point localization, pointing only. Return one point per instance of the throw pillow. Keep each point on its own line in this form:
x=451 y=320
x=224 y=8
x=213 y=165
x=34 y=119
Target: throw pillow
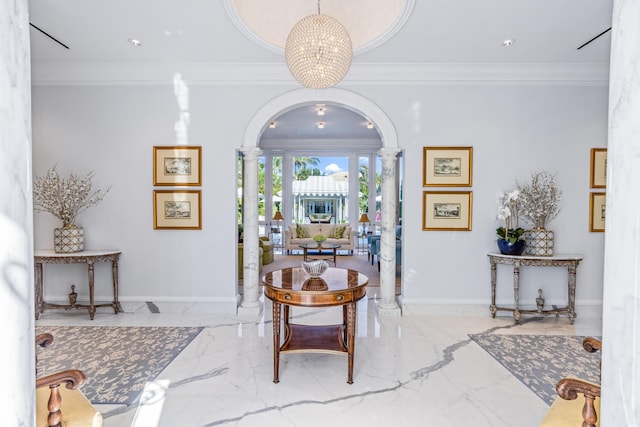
x=337 y=232
x=301 y=231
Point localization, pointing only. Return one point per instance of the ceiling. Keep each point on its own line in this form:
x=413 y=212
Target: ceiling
x=422 y=32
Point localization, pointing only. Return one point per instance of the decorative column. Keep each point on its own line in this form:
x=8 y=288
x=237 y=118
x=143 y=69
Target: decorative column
x=388 y=305
x=621 y=294
x=251 y=305
x=16 y=218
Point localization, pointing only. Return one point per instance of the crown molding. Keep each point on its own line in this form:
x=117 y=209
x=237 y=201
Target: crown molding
x=269 y=74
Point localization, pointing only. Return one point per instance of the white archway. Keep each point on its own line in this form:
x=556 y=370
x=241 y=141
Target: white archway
x=253 y=132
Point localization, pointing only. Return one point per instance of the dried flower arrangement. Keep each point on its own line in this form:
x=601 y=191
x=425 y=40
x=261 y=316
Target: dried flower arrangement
x=65 y=198
x=538 y=201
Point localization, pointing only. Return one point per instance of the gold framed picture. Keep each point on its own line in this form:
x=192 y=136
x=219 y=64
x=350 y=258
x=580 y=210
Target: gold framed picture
x=447 y=166
x=446 y=210
x=177 y=209
x=597 y=211
x=598 y=175
x=177 y=166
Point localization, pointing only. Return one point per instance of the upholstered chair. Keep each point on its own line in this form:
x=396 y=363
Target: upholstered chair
x=267 y=249
x=59 y=400
x=578 y=401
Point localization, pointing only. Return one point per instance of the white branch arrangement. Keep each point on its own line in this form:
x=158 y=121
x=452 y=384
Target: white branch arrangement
x=65 y=198
x=538 y=201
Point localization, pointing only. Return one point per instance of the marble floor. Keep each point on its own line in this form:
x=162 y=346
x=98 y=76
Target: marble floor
x=409 y=371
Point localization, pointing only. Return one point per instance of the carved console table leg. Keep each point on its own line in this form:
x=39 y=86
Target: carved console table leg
x=493 y=308
x=114 y=272
x=92 y=307
x=38 y=297
x=516 y=293
x=572 y=293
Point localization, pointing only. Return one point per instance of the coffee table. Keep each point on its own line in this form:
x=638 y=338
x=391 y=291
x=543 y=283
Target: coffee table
x=293 y=287
x=325 y=246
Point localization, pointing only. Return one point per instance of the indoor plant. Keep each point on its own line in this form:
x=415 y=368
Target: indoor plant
x=538 y=204
x=511 y=240
x=65 y=199
x=319 y=239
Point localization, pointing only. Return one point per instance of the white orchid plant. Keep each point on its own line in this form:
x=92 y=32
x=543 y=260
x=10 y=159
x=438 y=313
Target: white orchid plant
x=508 y=212
x=538 y=201
x=65 y=198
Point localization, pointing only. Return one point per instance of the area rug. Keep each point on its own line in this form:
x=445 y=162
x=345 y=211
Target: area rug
x=540 y=361
x=117 y=361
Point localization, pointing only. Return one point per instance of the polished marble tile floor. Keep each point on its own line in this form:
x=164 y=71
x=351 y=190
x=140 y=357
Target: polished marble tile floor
x=409 y=371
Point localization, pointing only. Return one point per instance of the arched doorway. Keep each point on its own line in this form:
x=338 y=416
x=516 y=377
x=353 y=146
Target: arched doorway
x=287 y=102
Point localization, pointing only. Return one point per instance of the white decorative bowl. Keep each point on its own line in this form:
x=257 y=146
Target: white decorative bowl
x=315 y=268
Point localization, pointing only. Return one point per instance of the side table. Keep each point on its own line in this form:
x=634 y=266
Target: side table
x=291 y=287
x=84 y=257
x=570 y=261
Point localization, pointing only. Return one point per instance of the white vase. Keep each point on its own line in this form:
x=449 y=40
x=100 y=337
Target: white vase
x=68 y=239
x=540 y=242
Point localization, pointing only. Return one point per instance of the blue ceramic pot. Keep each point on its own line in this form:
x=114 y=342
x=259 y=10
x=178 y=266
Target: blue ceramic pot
x=508 y=248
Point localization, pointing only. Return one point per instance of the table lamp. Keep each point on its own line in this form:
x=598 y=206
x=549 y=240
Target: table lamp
x=364 y=218
x=278 y=217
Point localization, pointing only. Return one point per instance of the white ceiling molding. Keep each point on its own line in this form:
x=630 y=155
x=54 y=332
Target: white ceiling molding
x=403 y=12
x=57 y=74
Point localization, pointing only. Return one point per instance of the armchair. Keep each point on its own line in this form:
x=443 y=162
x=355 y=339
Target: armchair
x=567 y=409
x=57 y=406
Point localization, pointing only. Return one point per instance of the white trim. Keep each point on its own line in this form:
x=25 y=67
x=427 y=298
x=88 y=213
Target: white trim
x=104 y=74
x=300 y=97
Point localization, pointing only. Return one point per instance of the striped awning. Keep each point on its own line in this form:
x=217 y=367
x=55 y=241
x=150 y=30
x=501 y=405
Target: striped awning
x=319 y=186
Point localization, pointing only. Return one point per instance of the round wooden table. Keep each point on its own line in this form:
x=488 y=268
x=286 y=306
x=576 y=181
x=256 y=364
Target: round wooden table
x=293 y=287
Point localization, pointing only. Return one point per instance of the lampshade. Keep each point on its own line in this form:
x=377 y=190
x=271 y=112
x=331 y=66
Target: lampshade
x=278 y=216
x=364 y=218
x=318 y=51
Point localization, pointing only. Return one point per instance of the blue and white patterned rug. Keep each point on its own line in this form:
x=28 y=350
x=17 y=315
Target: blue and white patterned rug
x=117 y=361
x=540 y=361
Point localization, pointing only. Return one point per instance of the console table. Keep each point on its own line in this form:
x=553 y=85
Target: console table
x=570 y=261
x=293 y=287
x=84 y=257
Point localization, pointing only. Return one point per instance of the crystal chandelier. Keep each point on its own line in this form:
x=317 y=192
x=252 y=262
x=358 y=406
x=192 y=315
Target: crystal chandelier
x=318 y=51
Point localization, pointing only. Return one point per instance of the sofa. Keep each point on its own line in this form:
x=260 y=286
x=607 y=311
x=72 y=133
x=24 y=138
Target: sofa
x=241 y=260
x=297 y=234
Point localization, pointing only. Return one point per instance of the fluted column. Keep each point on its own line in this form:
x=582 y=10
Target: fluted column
x=16 y=218
x=388 y=304
x=621 y=295
x=251 y=305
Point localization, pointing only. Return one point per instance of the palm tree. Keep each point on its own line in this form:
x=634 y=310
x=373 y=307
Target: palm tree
x=301 y=168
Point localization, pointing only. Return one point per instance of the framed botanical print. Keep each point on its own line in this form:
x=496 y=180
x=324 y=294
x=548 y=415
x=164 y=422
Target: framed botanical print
x=177 y=166
x=447 y=166
x=597 y=211
x=177 y=209
x=598 y=175
x=446 y=210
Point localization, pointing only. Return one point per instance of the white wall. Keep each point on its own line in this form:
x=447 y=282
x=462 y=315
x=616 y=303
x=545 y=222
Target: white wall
x=513 y=129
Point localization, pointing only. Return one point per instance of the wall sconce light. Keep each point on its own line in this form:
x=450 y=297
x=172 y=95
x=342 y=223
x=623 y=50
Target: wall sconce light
x=369 y=125
x=320 y=125
x=272 y=125
x=320 y=109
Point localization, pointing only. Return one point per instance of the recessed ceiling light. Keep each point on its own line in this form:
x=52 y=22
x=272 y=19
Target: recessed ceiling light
x=320 y=125
x=508 y=42
x=135 y=42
